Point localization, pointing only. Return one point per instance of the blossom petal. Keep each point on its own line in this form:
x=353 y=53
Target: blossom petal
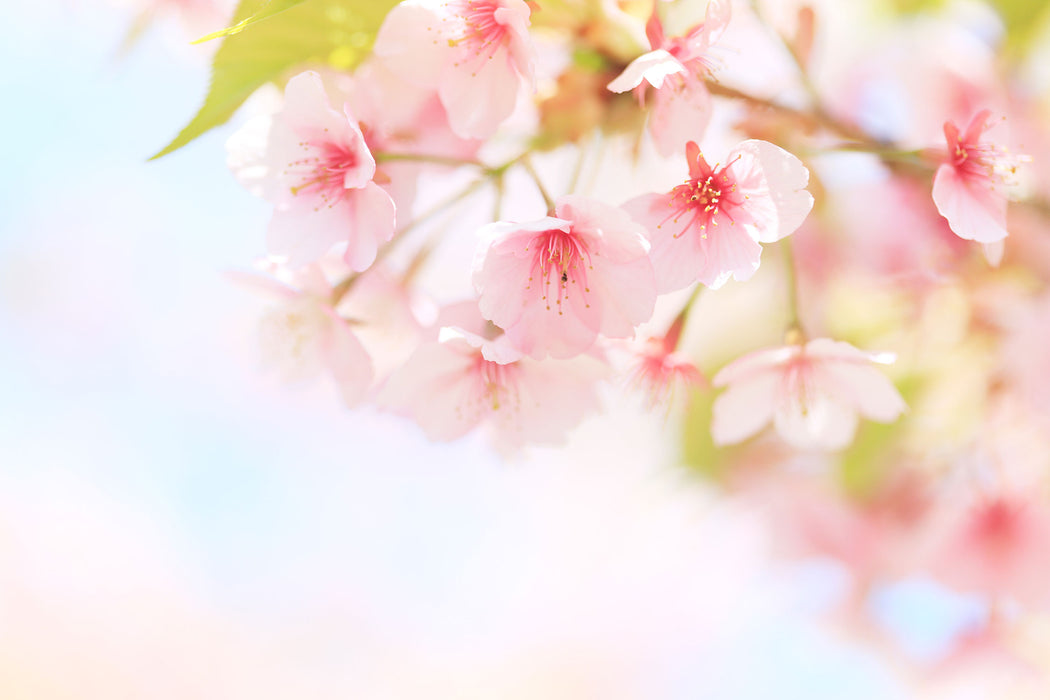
x=433 y=388
x=409 y=44
x=679 y=114
x=300 y=233
x=815 y=422
x=653 y=67
x=373 y=222
x=865 y=387
x=774 y=182
x=744 y=408
x=349 y=363
x=728 y=251
x=974 y=210
x=478 y=100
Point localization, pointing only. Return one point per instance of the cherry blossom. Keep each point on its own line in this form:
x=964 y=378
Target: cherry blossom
x=708 y=229
x=471 y=375
x=558 y=283
x=301 y=335
x=811 y=392
x=972 y=186
x=675 y=68
x=404 y=120
x=477 y=52
x=312 y=163
x=995 y=543
x=660 y=370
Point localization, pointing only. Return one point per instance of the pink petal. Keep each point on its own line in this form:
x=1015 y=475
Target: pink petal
x=247 y=158
x=728 y=251
x=348 y=362
x=613 y=234
x=993 y=252
x=653 y=67
x=501 y=268
x=679 y=114
x=478 y=100
x=774 y=182
x=501 y=351
x=840 y=351
x=716 y=19
x=675 y=260
x=306 y=104
x=627 y=293
x=744 y=408
x=306 y=229
x=754 y=363
x=552 y=398
x=514 y=16
x=433 y=388
x=373 y=222
x=864 y=387
x=973 y=209
x=541 y=331
x=820 y=423
x=409 y=44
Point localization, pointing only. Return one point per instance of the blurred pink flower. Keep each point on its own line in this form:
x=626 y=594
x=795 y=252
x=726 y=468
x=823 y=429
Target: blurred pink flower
x=311 y=161
x=397 y=117
x=660 y=372
x=556 y=284
x=970 y=189
x=302 y=336
x=472 y=375
x=996 y=544
x=477 y=53
x=675 y=68
x=710 y=227
x=811 y=392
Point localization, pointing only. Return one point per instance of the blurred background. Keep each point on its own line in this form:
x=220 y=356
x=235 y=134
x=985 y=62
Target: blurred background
x=174 y=523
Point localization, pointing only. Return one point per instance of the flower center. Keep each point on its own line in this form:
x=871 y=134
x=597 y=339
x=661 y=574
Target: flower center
x=559 y=259
x=322 y=171
x=482 y=34
x=987 y=160
x=497 y=385
x=997 y=521
x=700 y=201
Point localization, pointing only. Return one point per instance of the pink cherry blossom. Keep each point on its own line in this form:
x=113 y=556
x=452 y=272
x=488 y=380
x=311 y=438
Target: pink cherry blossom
x=996 y=544
x=311 y=161
x=811 y=392
x=675 y=69
x=302 y=336
x=397 y=117
x=660 y=371
x=556 y=284
x=471 y=376
x=972 y=186
x=709 y=228
x=476 y=52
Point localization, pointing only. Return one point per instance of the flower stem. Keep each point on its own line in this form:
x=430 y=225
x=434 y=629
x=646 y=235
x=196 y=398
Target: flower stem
x=340 y=290
x=794 y=332
x=674 y=331
x=383 y=157
x=526 y=163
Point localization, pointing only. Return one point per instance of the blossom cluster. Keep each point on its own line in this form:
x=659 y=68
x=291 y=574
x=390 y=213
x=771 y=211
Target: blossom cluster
x=902 y=363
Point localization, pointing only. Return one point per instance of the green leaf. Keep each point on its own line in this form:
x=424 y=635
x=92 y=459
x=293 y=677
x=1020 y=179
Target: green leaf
x=1024 y=20
x=336 y=33
x=271 y=8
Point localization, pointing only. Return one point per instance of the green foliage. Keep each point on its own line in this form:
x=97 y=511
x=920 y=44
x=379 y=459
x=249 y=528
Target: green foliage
x=1023 y=19
x=271 y=8
x=271 y=39
x=698 y=447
